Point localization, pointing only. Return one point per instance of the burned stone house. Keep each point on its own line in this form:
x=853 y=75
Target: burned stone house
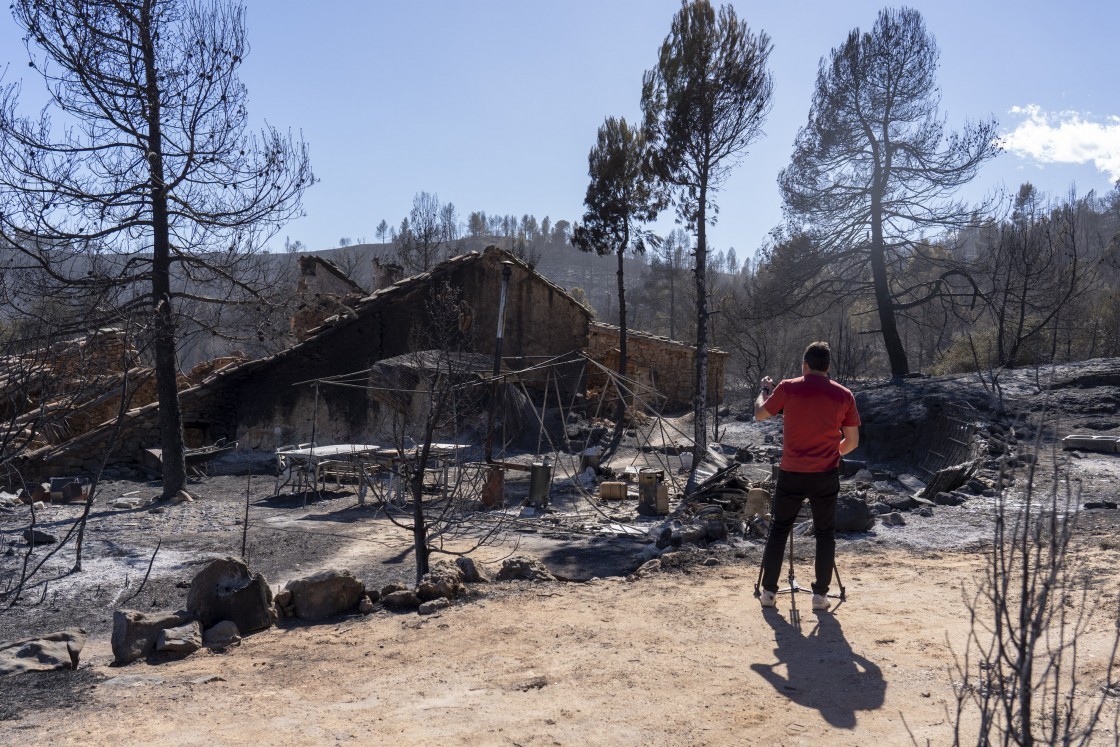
x=343 y=331
x=271 y=401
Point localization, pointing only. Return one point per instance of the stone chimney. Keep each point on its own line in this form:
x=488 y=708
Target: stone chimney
x=385 y=274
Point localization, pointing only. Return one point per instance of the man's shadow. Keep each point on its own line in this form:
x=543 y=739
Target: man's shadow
x=822 y=671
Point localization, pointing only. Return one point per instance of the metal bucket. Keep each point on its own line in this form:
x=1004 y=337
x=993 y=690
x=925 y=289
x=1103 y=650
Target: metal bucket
x=540 y=483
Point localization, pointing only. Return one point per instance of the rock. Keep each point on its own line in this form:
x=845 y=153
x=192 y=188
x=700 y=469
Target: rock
x=976 y=486
x=472 y=572
x=951 y=478
x=894 y=519
x=388 y=589
x=373 y=595
x=283 y=598
x=864 y=476
x=39 y=506
x=852 y=514
x=433 y=606
x=401 y=601
x=38 y=537
x=221 y=635
x=673 y=559
x=325 y=594
x=132 y=680
x=185 y=639
x=181 y=497
x=711 y=561
x=948 y=499
x=52 y=651
x=648 y=568
x=911 y=483
x=880 y=508
x=852 y=468
x=926 y=511
x=226 y=590
x=123 y=504
x=900 y=502
x=443 y=580
x=523 y=567
x=1100 y=504
x=365 y=606
x=135 y=633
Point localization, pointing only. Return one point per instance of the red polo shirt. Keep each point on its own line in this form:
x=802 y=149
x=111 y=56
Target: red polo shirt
x=815 y=409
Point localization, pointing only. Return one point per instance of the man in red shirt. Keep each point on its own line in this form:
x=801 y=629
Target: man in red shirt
x=821 y=424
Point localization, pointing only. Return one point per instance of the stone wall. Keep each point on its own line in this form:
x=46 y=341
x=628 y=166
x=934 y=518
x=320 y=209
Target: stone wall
x=665 y=365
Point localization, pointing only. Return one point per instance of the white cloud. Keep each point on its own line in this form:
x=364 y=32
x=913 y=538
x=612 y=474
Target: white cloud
x=1065 y=137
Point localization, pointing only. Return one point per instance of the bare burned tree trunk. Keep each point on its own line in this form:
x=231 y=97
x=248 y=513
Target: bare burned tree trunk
x=884 y=300
x=170 y=417
x=700 y=379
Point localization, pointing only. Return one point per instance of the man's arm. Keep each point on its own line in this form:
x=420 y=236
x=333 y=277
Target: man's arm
x=850 y=440
x=760 y=412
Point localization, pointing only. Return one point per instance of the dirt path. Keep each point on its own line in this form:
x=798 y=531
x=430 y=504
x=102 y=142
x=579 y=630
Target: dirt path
x=669 y=660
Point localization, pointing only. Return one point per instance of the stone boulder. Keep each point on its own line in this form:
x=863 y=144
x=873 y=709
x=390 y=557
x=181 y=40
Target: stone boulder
x=523 y=568
x=38 y=537
x=388 y=589
x=433 y=606
x=52 y=651
x=135 y=633
x=226 y=590
x=852 y=514
x=222 y=634
x=444 y=580
x=472 y=571
x=401 y=601
x=324 y=594
x=948 y=499
x=186 y=639
x=893 y=519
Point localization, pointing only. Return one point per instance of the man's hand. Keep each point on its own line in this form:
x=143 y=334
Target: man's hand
x=766 y=389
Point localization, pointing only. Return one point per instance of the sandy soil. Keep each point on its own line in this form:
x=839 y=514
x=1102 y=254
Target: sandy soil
x=677 y=658
x=683 y=656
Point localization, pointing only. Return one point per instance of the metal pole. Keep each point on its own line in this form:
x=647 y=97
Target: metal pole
x=507 y=268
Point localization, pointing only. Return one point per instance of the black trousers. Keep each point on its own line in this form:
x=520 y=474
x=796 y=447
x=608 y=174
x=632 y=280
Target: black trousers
x=821 y=488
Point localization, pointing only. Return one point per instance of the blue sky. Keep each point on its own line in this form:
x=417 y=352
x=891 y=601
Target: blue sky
x=494 y=104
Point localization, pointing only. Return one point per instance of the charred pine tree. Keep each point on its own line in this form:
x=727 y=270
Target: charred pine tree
x=704 y=104
x=621 y=197
x=153 y=197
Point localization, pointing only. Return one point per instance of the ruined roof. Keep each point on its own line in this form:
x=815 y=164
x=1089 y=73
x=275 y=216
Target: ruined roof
x=614 y=330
